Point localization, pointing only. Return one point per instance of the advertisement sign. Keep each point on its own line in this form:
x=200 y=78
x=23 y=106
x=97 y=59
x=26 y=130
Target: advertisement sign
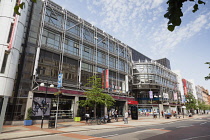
x=150 y=94
x=175 y=96
x=184 y=86
x=165 y=95
x=107 y=78
x=40 y=106
x=60 y=78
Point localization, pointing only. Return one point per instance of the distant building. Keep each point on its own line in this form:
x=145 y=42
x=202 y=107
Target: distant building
x=165 y=62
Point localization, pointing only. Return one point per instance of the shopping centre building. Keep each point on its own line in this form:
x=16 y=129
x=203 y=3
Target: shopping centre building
x=48 y=43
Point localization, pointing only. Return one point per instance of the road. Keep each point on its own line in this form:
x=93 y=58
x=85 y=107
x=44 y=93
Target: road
x=191 y=129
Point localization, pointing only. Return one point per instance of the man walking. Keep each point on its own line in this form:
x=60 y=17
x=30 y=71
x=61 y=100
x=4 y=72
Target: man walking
x=87 y=116
x=126 y=118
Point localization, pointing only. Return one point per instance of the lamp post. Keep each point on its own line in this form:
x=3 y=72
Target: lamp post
x=159 y=105
x=44 y=104
x=183 y=107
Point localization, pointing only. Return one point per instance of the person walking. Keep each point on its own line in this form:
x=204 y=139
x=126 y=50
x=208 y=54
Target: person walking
x=116 y=116
x=87 y=116
x=126 y=118
x=162 y=113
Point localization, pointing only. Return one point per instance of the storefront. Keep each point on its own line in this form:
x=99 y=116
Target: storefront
x=47 y=105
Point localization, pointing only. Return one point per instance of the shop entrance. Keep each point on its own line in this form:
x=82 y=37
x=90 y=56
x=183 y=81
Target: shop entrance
x=65 y=108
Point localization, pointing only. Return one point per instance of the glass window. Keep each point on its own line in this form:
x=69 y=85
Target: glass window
x=4 y=63
x=71 y=27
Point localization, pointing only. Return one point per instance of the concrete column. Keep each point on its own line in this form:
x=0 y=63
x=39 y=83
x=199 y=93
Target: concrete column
x=29 y=101
x=161 y=107
x=3 y=111
x=125 y=107
x=76 y=105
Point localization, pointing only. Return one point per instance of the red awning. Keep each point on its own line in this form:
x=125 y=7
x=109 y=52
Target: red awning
x=133 y=102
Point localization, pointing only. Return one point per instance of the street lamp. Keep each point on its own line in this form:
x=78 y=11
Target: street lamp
x=44 y=104
x=183 y=107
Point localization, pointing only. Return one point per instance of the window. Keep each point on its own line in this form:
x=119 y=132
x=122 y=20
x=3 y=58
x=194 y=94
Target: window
x=51 y=39
x=3 y=67
x=72 y=27
x=54 y=18
x=10 y=33
x=88 y=35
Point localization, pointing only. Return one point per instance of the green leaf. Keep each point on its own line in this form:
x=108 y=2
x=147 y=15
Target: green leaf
x=34 y=1
x=201 y=2
x=195 y=8
x=171 y=28
x=21 y=5
x=16 y=10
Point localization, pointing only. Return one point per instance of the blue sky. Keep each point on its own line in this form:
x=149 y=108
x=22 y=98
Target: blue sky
x=141 y=25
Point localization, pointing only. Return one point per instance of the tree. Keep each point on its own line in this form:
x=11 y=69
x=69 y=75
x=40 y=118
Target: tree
x=21 y=6
x=191 y=102
x=201 y=105
x=174 y=12
x=207 y=77
x=95 y=95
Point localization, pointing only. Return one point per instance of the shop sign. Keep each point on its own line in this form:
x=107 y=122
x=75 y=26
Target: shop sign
x=133 y=102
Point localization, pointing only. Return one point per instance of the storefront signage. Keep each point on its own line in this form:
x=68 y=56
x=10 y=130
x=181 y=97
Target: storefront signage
x=133 y=102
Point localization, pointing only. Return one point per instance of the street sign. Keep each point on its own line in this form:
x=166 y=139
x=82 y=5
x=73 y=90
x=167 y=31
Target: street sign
x=60 y=78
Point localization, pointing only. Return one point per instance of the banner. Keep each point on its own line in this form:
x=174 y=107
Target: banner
x=175 y=96
x=107 y=78
x=150 y=94
x=165 y=95
x=184 y=86
x=60 y=79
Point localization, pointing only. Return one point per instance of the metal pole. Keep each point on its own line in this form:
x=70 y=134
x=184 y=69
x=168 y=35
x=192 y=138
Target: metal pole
x=56 y=117
x=183 y=112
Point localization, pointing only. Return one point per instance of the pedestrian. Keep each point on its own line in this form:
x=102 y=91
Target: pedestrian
x=162 y=113
x=154 y=114
x=126 y=118
x=115 y=116
x=129 y=113
x=87 y=116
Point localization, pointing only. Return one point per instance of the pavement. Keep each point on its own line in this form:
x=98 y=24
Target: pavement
x=17 y=132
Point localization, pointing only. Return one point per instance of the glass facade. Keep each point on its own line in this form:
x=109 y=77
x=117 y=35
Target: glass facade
x=152 y=76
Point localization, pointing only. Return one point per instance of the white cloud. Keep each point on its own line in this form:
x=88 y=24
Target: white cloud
x=142 y=25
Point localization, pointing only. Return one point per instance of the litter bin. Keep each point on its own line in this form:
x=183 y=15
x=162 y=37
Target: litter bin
x=51 y=123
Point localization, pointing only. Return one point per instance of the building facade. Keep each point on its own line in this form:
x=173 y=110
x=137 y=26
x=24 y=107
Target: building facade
x=155 y=87
x=56 y=43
